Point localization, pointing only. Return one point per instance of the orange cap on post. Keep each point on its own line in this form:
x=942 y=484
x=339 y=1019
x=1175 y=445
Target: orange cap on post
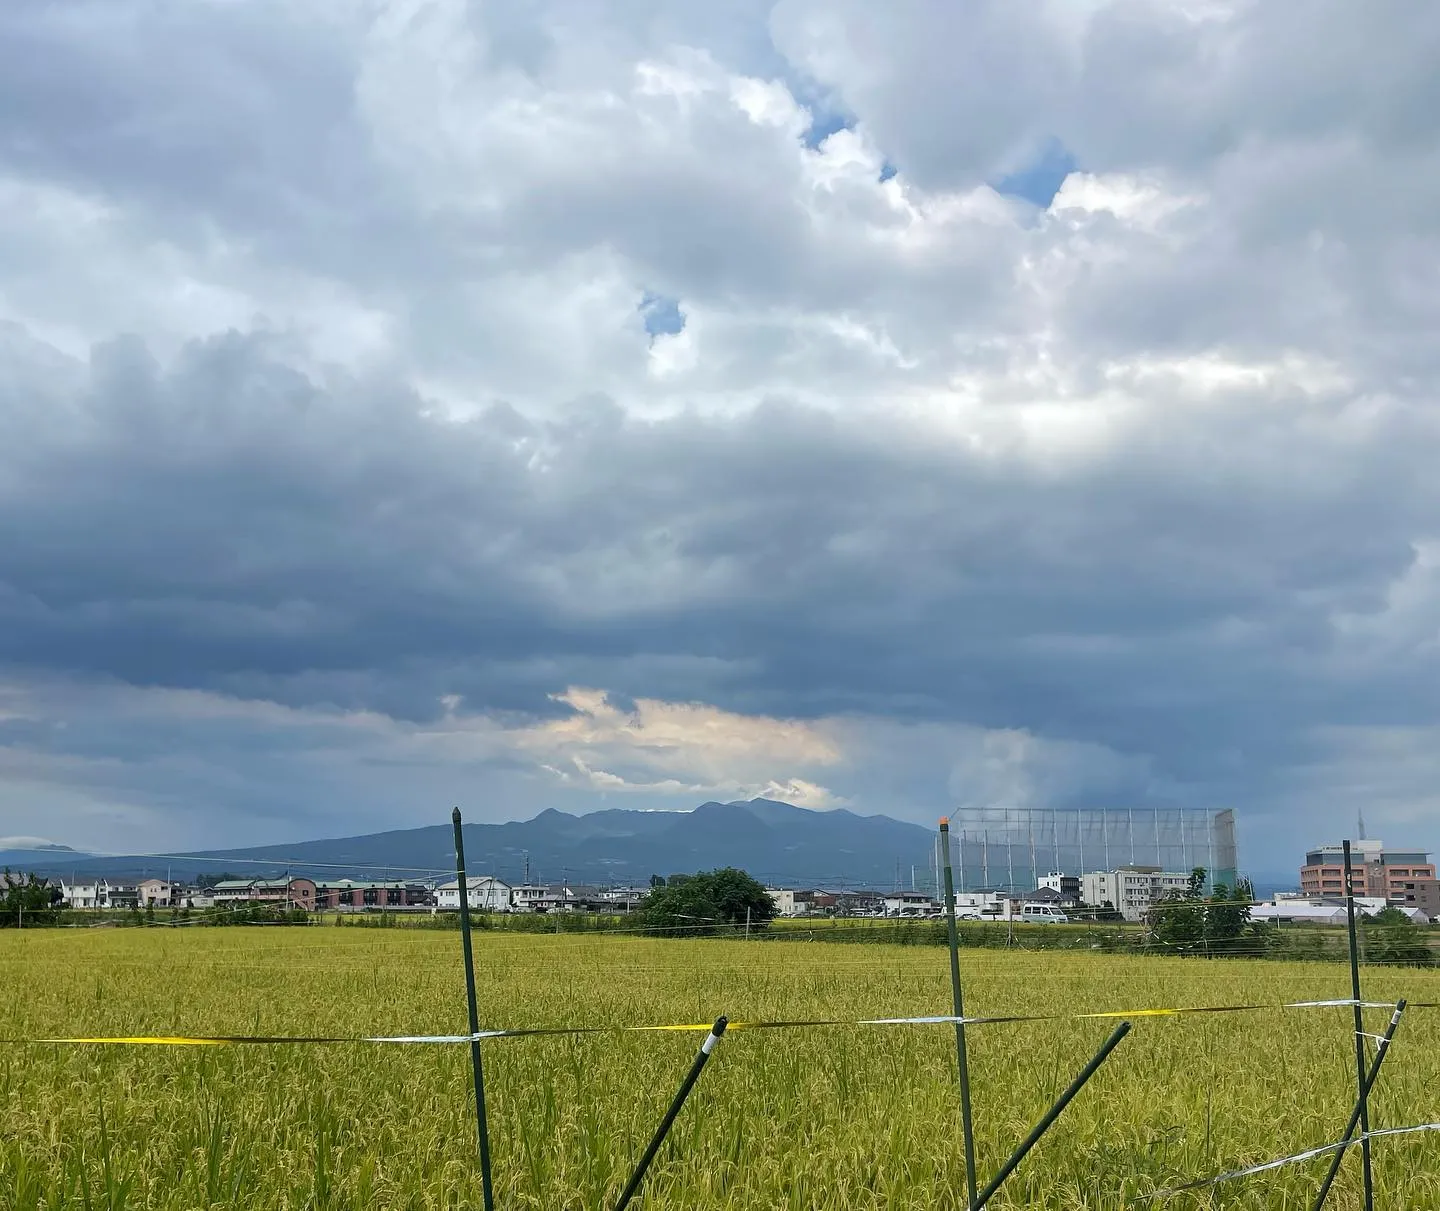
x=944 y=821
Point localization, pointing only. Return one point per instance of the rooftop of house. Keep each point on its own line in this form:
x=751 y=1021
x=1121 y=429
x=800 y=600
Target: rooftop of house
x=471 y=883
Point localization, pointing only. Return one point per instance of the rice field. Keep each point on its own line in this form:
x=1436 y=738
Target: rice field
x=855 y=1117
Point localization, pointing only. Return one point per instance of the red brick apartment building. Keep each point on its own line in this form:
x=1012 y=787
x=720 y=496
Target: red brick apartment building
x=355 y=893
x=310 y=895
x=1400 y=876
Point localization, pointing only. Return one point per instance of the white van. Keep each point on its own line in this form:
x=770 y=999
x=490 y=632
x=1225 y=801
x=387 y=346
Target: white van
x=1043 y=914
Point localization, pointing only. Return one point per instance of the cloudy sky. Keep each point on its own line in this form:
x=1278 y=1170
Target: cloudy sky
x=529 y=403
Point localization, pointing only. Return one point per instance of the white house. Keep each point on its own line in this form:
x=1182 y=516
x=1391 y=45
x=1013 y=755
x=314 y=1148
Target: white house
x=790 y=901
x=486 y=893
x=527 y=897
x=909 y=904
x=625 y=898
x=988 y=902
x=85 y=895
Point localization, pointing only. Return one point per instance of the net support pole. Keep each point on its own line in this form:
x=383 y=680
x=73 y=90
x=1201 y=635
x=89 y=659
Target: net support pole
x=473 y=1007
x=1052 y=1114
x=701 y=1057
x=1361 y=1088
x=957 y=998
x=1374 y=1072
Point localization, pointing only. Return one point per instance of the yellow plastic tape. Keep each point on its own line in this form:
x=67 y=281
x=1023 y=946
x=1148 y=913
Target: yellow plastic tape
x=696 y=1027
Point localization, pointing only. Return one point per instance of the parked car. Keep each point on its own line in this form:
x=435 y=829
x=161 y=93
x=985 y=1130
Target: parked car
x=1042 y=914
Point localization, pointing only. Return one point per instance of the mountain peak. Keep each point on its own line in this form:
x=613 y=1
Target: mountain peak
x=775 y=841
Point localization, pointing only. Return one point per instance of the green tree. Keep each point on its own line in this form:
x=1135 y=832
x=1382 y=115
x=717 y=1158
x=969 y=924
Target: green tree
x=1227 y=914
x=1392 y=937
x=1177 y=920
x=26 y=900
x=707 y=902
x=1190 y=921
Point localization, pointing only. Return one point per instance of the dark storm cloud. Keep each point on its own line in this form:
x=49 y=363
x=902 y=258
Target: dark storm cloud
x=1129 y=497
x=229 y=522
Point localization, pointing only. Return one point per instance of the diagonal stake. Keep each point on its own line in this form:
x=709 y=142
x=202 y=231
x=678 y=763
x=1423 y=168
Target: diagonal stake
x=1052 y=1114
x=1359 y=1104
x=701 y=1057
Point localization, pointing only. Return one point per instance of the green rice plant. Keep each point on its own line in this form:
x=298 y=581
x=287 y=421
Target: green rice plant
x=820 y=1117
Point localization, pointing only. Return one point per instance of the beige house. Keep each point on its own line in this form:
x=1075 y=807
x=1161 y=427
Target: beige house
x=154 y=891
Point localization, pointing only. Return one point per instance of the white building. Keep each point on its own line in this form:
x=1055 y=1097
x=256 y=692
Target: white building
x=85 y=895
x=909 y=904
x=100 y=894
x=487 y=894
x=1066 y=886
x=1326 y=911
x=625 y=898
x=990 y=903
x=527 y=897
x=1130 y=890
x=790 y=901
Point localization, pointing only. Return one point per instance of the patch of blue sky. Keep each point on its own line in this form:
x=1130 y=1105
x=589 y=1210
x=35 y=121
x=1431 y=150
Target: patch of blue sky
x=1039 y=180
x=662 y=314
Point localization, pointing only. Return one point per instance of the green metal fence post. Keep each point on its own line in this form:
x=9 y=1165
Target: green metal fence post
x=476 y=1070
x=958 y=1001
x=1363 y=1095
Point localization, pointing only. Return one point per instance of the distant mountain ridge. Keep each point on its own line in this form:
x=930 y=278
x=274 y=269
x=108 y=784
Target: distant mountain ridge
x=776 y=842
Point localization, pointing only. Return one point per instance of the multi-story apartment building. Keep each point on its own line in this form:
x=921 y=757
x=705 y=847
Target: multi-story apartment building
x=1376 y=871
x=1130 y=890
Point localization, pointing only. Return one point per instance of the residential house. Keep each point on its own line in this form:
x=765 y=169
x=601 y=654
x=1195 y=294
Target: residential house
x=122 y=895
x=625 y=899
x=84 y=895
x=1053 y=896
x=909 y=904
x=790 y=901
x=154 y=892
x=485 y=894
x=859 y=903
x=1067 y=885
x=530 y=897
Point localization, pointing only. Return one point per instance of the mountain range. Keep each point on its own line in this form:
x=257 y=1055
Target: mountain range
x=776 y=842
